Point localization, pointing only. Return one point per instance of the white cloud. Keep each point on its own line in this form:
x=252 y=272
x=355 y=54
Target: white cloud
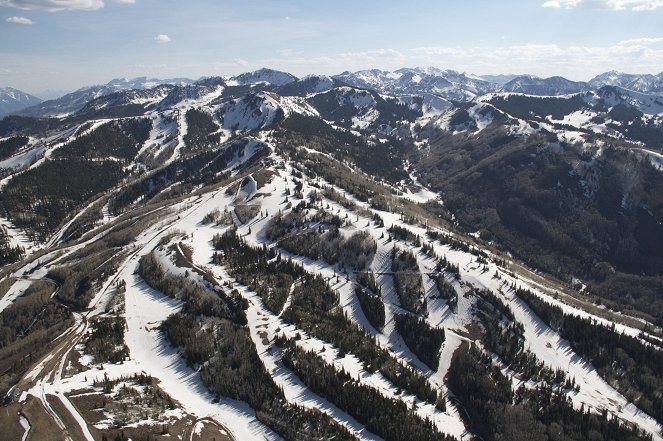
x=616 y=5
x=578 y=62
x=59 y=5
x=162 y=38
x=368 y=59
x=288 y=52
x=20 y=20
x=646 y=41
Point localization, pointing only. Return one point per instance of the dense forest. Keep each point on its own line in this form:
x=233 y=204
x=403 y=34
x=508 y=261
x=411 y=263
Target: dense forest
x=39 y=199
x=211 y=332
x=203 y=168
x=407 y=280
x=424 y=340
x=389 y=418
x=496 y=412
x=562 y=210
x=9 y=253
x=369 y=294
x=200 y=130
x=116 y=139
x=27 y=327
x=325 y=241
x=12 y=145
x=105 y=341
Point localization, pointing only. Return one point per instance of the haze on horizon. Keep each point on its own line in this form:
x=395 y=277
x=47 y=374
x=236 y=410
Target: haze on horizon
x=67 y=44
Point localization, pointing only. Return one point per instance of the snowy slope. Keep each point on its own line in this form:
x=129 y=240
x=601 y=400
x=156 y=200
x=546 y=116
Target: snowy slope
x=72 y=102
x=264 y=75
x=13 y=100
x=651 y=84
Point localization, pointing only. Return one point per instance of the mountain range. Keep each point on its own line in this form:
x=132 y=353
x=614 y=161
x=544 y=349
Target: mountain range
x=446 y=84
x=411 y=255
x=13 y=100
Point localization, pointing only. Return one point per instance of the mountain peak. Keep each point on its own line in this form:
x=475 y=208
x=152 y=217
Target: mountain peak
x=13 y=100
x=262 y=75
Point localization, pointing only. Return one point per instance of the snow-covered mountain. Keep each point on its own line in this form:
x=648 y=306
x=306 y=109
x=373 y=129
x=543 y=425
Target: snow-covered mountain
x=13 y=100
x=309 y=85
x=411 y=255
x=499 y=79
x=251 y=112
x=645 y=83
x=134 y=100
x=447 y=84
x=73 y=102
x=649 y=104
x=194 y=91
x=264 y=75
x=532 y=85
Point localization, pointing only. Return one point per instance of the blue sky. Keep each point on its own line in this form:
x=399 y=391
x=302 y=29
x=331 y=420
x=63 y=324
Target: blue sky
x=66 y=44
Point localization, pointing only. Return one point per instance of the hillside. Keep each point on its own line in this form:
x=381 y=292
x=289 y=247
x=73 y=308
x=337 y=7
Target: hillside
x=410 y=255
x=13 y=100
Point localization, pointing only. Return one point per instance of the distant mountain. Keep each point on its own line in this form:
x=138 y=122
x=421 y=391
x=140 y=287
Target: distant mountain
x=647 y=104
x=640 y=83
x=192 y=91
x=12 y=100
x=453 y=85
x=264 y=75
x=447 y=84
x=531 y=85
x=308 y=85
x=130 y=102
x=499 y=79
x=75 y=101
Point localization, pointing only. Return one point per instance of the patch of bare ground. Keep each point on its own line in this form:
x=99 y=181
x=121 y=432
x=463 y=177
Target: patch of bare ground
x=136 y=408
x=184 y=259
x=42 y=426
x=73 y=428
x=11 y=428
x=5 y=284
x=207 y=430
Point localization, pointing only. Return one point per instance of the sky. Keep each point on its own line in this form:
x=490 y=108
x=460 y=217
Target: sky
x=58 y=45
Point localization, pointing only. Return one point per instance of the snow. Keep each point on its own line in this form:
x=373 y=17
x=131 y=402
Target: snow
x=17 y=237
x=14 y=292
x=655 y=158
x=250 y=112
x=25 y=424
x=422 y=194
x=263 y=75
x=251 y=147
x=364 y=120
x=322 y=82
x=147 y=308
x=151 y=354
x=482 y=116
x=22 y=159
x=354 y=97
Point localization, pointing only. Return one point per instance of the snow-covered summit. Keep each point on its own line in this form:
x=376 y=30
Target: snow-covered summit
x=645 y=83
x=264 y=75
x=13 y=100
x=533 y=85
